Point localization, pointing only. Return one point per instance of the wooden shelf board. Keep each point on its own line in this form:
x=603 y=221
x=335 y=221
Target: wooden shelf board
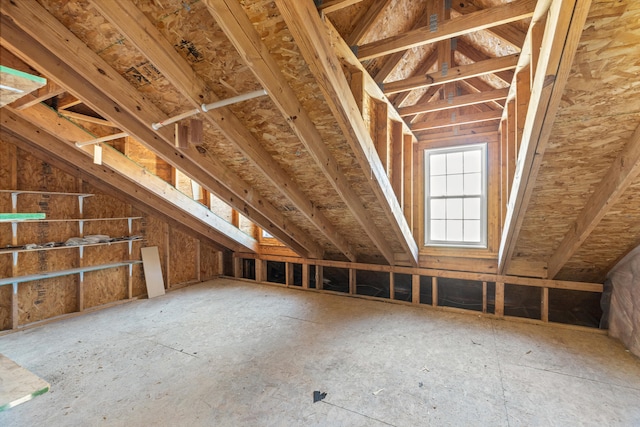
x=50 y=274
x=9 y=250
x=52 y=193
x=73 y=219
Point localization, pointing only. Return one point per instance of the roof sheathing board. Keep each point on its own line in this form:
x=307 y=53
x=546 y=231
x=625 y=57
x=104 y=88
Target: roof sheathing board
x=599 y=112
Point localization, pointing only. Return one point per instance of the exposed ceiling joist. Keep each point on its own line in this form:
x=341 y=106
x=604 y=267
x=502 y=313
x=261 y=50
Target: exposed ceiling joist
x=563 y=30
x=236 y=24
x=461 y=72
x=319 y=52
x=134 y=25
x=457 y=119
x=73 y=63
x=480 y=20
x=123 y=174
x=44 y=93
x=455 y=102
x=621 y=174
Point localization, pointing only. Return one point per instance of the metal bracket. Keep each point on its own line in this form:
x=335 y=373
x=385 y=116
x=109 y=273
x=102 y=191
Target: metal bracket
x=445 y=68
x=433 y=23
x=354 y=49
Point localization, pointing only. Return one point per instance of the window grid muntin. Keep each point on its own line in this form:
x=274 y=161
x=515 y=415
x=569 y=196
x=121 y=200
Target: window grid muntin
x=440 y=236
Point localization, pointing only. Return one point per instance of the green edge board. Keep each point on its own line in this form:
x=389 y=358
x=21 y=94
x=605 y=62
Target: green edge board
x=18 y=73
x=9 y=217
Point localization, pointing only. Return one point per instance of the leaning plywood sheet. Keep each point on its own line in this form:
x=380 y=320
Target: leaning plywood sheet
x=152 y=271
x=17 y=385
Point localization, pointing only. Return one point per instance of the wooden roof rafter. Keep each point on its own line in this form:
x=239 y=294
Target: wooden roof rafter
x=564 y=21
x=232 y=18
x=143 y=34
x=455 y=102
x=73 y=64
x=456 y=119
x=621 y=174
x=319 y=51
x=121 y=174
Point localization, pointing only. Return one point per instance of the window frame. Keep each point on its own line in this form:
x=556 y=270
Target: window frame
x=484 y=206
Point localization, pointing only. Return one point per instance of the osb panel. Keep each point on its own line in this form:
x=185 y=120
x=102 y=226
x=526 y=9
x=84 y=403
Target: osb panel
x=153 y=232
x=5 y=232
x=615 y=235
x=116 y=228
x=105 y=286
x=599 y=111
x=103 y=206
x=43 y=261
x=37 y=175
x=54 y=206
x=6 y=167
x=5 y=307
x=138 y=286
x=208 y=262
x=42 y=299
x=182 y=254
x=44 y=232
x=105 y=254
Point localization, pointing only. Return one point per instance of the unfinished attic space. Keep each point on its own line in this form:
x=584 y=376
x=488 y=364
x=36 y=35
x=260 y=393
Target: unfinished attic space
x=205 y=204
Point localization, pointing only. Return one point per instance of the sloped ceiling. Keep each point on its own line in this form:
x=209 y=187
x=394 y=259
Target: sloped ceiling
x=289 y=162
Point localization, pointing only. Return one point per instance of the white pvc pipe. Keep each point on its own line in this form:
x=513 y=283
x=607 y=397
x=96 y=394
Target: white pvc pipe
x=174 y=119
x=103 y=139
x=235 y=99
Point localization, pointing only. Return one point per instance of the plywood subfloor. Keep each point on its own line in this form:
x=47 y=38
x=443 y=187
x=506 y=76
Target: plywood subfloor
x=233 y=353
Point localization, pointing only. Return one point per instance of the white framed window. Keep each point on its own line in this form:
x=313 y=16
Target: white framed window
x=456 y=196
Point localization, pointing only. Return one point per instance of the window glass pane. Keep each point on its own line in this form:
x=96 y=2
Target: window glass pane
x=473 y=184
x=438 y=186
x=438 y=209
x=438 y=230
x=454 y=185
x=454 y=230
x=473 y=161
x=472 y=208
x=472 y=231
x=454 y=208
x=454 y=163
x=437 y=164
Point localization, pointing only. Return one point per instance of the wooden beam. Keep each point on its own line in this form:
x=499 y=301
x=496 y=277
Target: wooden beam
x=507 y=33
x=236 y=24
x=455 y=102
x=394 y=59
x=73 y=58
x=48 y=91
x=408 y=179
x=565 y=22
x=144 y=35
x=319 y=52
x=621 y=174
x=461 y=72
x=85 y=118
x=366 y=22
x=121 y=175
x=329 y=6
x=423 y=69
x=457 y=119
x=381 y=120
x=475 y=55
x=476 y=21
x=397 y=161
